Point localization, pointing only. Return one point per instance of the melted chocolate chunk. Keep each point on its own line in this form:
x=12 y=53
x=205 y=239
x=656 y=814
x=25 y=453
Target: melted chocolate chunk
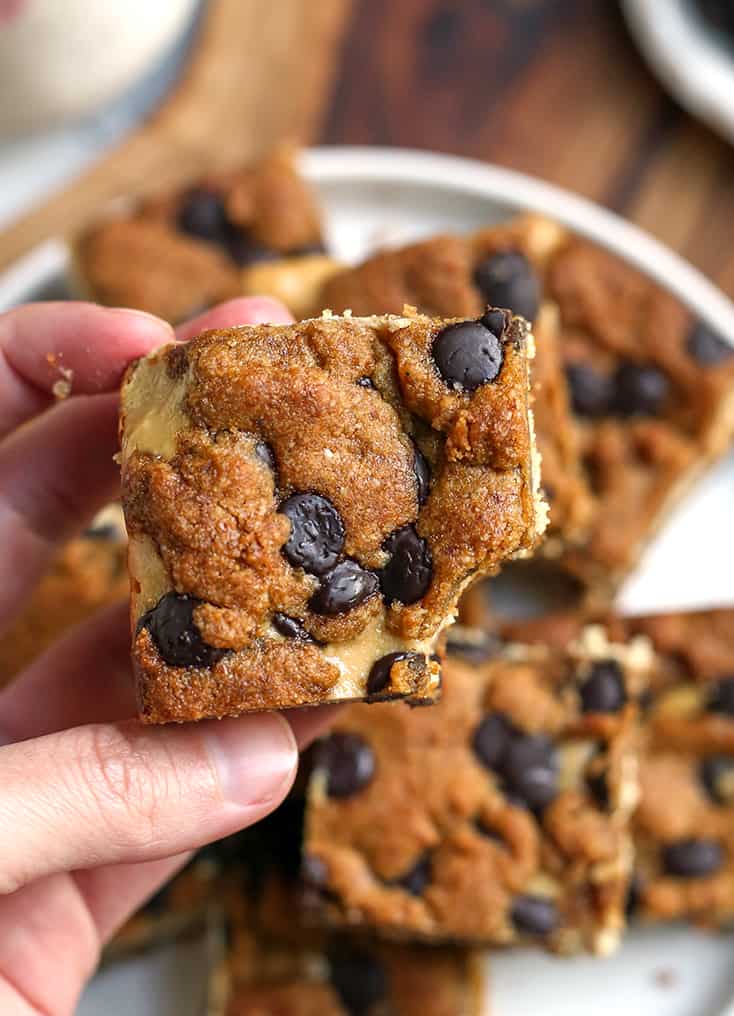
x=343 y=588
x=366 y=382
x=379 y=676
x=359 y=979
x=693 y=858
x=721 y=697
x=467 y=355
x=266 y=455
x=534 y=915
x=639 y=390
x=174 y=632
x=492 y=739
x=530 y=769
x=422 y=476
x=407 y=575
x=717 y=776
x=416 y=880
x=591 y=392
x=348 y=761
x=603 y=690
x=317 y=533
x=291 y=628
x=507 y=279
x=706 y=347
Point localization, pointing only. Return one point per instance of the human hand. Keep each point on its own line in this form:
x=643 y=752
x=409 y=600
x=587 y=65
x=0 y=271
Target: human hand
x=96 y=810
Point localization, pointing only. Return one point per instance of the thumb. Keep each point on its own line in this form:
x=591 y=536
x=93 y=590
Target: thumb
x=111 y=793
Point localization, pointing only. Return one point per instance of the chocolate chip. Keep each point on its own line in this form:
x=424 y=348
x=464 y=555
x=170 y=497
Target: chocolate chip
x=467 y=355
x=358 y=978
x=706 y=347
x=497 y=320
x=349 y=763
x=416 y=880
x=693 y=858
x=639 y=390
x=266 y=455
x=203 y=215
x=407 y=575
x=366 y=382
x=492 y=739
x=488 y=832
x=482 y=646
x=422 y=475
x=379 y=676
x=721 y=697
x=599 y=788
x=507 y=279
x=291 y=628
x=591 y=392
x=717 y=775
x=603 y=691
x=343 y=588
x=317 y=533
x=530 y=770
x=534 y=915
x=172 y=628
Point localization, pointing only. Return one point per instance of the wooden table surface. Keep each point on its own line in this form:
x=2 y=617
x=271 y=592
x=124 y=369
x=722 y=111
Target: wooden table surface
x=555 y=88
x=552 y=87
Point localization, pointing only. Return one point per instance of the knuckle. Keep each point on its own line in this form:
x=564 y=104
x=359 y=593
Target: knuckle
x=128 y=790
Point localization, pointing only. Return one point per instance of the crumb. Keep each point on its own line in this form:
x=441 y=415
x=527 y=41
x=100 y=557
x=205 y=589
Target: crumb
x=62 y=388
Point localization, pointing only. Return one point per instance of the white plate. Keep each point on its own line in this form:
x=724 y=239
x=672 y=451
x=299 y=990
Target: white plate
x=692 y=59
x=374 y=196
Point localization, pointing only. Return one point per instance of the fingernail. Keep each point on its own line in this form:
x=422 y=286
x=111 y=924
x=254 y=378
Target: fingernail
x=150 y=320
x=255 y=757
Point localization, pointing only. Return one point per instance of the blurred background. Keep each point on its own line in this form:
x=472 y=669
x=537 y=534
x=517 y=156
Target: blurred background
x=556 y=88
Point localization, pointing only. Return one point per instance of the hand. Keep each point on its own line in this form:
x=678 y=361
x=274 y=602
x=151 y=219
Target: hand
x=96 y=810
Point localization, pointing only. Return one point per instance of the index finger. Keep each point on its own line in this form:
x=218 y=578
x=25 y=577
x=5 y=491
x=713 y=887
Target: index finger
x=83 y=347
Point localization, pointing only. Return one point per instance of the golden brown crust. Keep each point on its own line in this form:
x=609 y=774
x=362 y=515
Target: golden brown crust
x=341 y=404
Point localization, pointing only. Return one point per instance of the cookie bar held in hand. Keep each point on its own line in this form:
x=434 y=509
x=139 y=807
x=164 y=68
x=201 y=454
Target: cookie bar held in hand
x=305 y=503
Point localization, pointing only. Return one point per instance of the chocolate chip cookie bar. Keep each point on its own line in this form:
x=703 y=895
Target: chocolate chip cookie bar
x=305 y=504
x=499 y=816
x=684 y=826
x=88 y=573
x=651 y=390
x=653 y=396
x=457 y=275
x=253 y=231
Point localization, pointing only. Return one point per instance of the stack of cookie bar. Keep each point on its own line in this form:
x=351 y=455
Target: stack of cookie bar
x=309 y=507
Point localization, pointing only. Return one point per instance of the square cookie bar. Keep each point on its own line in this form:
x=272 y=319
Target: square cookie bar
x=503 y=266
x=276 y=966
x=87 y=574
x=684 y=826
x=499 y=816
x=253 y=231
x=305 y=504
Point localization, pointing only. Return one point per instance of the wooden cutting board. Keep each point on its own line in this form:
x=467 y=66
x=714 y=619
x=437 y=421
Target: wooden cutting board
x=260 y=72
